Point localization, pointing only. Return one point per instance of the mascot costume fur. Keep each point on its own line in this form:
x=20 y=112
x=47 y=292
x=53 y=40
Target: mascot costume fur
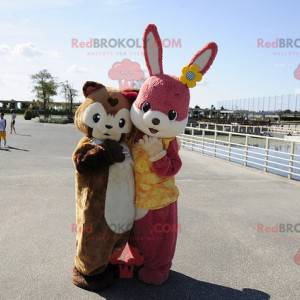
x=160 y=113
x=104 y=183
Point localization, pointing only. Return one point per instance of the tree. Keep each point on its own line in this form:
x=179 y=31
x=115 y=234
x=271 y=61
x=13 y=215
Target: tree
x=69 y=94
x=45 y=86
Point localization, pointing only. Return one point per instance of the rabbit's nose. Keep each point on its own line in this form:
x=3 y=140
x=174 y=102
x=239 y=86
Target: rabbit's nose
x=108 y=126
x=155 y=121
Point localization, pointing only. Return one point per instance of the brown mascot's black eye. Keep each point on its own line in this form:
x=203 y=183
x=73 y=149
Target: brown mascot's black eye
x=122 y=123
x=172 y=114
x=96 y=118
x=146 y=107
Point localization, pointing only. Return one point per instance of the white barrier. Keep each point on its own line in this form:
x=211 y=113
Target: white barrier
x=262 y=153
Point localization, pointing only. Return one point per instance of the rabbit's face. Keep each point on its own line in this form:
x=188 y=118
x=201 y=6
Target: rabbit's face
x=161 y=108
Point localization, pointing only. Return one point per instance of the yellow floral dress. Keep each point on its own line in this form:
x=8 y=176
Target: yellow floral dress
x=152 y=191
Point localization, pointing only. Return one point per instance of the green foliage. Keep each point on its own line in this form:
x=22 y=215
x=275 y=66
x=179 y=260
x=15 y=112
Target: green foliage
x=57 y=120
x=28 y=115
x=45 y=86
x=69 y=93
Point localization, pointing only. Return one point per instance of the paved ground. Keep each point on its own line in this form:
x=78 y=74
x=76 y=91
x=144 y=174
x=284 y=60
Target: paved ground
x=220 y=254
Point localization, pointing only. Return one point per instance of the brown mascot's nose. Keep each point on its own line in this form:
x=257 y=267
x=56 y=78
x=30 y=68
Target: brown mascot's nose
x=155 y=121
x=108 y=126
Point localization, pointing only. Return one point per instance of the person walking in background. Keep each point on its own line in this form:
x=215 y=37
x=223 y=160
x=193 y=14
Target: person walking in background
x=13 y=122
x=2 y=129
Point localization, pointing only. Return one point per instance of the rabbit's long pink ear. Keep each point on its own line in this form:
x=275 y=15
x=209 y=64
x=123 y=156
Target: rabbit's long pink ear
x=204 y=58
x=153 y=50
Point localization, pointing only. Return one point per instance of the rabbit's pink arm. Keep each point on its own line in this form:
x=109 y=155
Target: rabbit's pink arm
x=170 y=164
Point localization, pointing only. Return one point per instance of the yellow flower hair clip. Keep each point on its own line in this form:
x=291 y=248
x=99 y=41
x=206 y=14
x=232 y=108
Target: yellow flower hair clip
x=190 y=75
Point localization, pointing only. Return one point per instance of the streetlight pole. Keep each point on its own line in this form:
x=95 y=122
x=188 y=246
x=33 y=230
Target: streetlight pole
x=288 y=104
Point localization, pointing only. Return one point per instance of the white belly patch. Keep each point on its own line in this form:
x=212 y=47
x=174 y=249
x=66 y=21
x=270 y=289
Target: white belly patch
x=119 y=204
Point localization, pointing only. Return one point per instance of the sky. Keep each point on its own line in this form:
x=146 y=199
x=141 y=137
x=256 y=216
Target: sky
x=38 y=35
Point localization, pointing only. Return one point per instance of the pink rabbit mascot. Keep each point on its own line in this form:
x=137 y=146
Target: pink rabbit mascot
x=160 y=113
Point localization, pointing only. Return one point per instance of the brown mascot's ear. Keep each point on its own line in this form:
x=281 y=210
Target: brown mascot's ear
x=131 y=95
x=78 y=114
x=90 y=87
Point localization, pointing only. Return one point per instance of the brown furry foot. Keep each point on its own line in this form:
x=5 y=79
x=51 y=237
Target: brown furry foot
x=93 y=283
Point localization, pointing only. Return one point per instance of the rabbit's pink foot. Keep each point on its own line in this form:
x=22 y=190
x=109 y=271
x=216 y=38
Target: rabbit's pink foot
x=154 y=277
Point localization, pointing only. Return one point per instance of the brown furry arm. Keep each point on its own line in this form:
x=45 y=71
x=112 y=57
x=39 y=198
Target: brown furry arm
x=89 y=157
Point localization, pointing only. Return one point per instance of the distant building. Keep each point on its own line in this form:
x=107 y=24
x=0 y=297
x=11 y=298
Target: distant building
x=21 y=105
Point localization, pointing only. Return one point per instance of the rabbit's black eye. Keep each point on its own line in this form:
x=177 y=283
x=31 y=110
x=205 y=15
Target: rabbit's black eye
x=146 y=107
x=122 y=123
x=96 y=118
x=172 y=114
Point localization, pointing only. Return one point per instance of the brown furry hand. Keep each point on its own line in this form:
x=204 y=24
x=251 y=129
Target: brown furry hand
x=91 y=158
x=114 y=150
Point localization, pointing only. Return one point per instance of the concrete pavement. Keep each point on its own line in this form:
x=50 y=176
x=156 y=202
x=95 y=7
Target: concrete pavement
x=220 y=253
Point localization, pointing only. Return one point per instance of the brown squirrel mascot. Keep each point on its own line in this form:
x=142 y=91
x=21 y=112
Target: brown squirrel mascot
x=104 y=183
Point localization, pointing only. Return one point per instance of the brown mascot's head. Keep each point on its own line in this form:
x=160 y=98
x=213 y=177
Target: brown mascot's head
x=105 y=113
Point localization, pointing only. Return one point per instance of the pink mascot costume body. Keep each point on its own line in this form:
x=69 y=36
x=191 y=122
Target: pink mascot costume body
x=160 y=113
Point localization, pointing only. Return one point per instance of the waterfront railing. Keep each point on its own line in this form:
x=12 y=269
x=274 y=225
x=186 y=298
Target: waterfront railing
x=269 y=154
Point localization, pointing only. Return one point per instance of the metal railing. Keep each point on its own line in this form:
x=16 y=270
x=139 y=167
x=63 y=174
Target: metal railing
x=284 y=130
x=265 y=103
x=269 y=154
x=291 y=129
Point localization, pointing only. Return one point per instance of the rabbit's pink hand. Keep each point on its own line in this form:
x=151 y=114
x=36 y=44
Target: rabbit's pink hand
x=153 y=146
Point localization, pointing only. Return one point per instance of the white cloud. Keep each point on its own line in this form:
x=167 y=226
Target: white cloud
x=54 y=54
x=4 y=49
x=2 y=83
x=77 y=69
x=26 y=49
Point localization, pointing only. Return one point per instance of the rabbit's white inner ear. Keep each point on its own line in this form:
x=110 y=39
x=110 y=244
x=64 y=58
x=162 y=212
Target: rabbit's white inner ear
x=153 y=55
x=202 y=60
